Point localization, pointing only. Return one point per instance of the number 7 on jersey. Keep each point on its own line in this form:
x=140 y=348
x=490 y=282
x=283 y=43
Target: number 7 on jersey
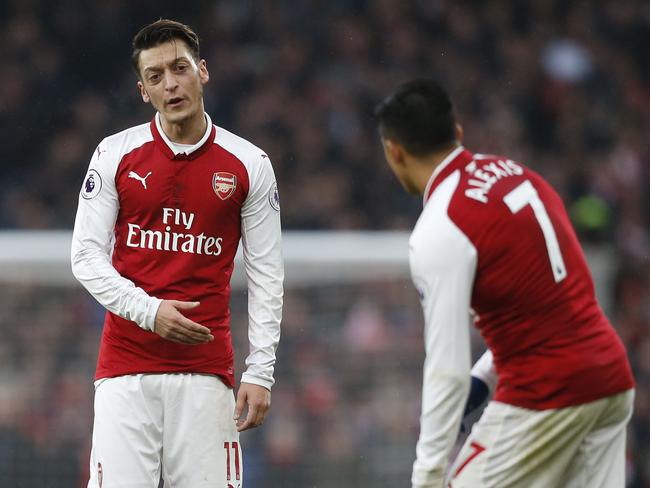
x=525 y=194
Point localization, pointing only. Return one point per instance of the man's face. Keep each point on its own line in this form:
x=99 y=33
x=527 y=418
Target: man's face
x=172 y=80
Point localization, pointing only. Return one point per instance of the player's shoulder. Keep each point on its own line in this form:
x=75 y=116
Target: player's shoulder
x=127 y=140
x=111 y=150
x=484 y=178
x=247 y=152
x=435 y=227
x=470 y=191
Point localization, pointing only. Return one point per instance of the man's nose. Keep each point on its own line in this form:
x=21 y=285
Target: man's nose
x=170 y=80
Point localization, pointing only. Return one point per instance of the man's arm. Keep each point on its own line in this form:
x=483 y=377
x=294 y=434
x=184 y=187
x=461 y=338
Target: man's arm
x=483 y=384
x=92 y=243
x=262 y=249
x=484 y=370
x=443 y=265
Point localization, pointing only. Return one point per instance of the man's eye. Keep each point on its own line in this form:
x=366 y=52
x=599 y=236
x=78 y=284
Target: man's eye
x=181 y=67
x=153 y=78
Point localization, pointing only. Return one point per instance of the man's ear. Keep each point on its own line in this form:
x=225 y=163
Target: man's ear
x=460 y=133
x=394 y=151
x=204 y=76
x=143 y=93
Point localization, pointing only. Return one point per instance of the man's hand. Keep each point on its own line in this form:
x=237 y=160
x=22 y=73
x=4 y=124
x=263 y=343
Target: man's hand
x=170 y=324
x=258 y=400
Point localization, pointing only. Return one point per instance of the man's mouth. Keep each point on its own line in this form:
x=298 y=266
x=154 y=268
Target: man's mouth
x=175 y=102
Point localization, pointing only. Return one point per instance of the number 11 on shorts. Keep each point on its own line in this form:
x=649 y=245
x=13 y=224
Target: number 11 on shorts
x=234 y=447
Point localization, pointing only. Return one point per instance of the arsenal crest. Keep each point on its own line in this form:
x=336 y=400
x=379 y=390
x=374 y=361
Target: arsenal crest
x=224 y=184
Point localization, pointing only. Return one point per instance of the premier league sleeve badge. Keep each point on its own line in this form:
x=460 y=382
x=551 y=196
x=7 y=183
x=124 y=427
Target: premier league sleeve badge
x=92 y=185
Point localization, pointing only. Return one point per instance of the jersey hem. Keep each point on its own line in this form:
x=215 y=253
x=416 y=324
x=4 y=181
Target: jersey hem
x=226 y=378
x=532 y=404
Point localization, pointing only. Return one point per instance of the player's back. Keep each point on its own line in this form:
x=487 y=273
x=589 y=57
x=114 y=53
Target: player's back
x=533 y=293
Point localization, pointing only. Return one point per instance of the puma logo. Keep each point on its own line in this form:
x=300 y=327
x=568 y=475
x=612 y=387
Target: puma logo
x=134 y=175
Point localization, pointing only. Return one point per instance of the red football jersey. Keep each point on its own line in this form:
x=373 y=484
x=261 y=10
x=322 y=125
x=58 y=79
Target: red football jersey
x=494 y=242
x=532 y=292
x=173 y=221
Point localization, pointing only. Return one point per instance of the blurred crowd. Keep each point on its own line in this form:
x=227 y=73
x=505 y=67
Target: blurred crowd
x=345 y=407
x=563 y=86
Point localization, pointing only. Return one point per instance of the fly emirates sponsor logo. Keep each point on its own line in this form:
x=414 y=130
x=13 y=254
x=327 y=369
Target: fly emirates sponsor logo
x=170 y=240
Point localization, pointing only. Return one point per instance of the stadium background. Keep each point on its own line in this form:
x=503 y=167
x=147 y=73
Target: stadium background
x=563 y=86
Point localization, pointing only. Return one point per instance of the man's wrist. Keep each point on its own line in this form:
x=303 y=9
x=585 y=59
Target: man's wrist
x=422 y=479
x=150 y=317
x=256 y=380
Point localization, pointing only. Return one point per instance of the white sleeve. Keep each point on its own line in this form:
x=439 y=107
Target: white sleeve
x=484 y=370
x=443 y=265
x=92 y=244
x=262 y=249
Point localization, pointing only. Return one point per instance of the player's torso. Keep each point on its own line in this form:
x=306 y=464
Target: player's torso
x=533 y=292
x=179 y=221
x=176 y=234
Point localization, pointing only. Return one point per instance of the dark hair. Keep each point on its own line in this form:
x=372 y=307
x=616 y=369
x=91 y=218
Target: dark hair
x=160 y=32
x=419 y=115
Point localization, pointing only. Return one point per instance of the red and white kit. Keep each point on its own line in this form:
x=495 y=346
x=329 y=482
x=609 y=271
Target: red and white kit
x=494 y=243
x=159 y=220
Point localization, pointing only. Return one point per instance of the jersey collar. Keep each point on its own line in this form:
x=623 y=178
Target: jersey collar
x=167 y=147
x=455 y=158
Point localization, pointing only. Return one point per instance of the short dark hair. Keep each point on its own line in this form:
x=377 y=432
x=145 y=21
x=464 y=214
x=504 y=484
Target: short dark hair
x=160 y=32
x=419 y=115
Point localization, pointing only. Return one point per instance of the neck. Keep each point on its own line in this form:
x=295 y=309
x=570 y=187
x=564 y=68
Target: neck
x=427 y=166
x=187 y=131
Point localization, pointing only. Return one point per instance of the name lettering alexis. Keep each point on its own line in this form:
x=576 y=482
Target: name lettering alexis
x=484 y=178
x=169 y=240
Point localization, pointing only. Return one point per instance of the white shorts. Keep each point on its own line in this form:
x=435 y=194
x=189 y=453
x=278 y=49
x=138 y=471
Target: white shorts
x=573 y=447
x=179 y=426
